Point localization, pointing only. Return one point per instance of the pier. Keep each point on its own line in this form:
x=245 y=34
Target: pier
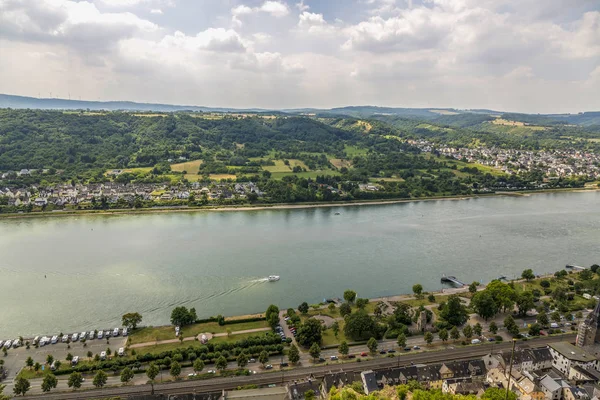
x=577 y=267
x=452 y=279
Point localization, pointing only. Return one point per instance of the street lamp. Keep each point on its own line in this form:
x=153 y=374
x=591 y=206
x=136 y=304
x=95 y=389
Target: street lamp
x=512 y=355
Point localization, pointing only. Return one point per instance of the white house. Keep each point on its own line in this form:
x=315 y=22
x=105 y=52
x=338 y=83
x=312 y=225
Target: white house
x=565 y=355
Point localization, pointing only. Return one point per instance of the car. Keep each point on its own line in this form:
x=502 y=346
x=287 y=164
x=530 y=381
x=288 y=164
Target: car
x=382 y=352
x=268 y=366
x=284 y=364
x=54 y=339
x=351 y=356
x=391 y=351
x=252 y=360
x=363 y=354
x=543 y=333
x=75 y=337
x=567 y=324
x=91 y=335
x=491 y=339
x=192 y=374
x=121 y=351
x=107 y=334
x=16 y=343
x=286 y=319
x=116 y=332
x=416 y=348
x=7 y=344
x=212 y=371
x=65 y=338
x=475 y=341
x=100 y=334
x=75 y=360
x=321 y=359
x=103 y=355
x=1 y=343
x=333 y=358
x=82 y=336
x=53 y=365
x=125 y=332
x=407 y=348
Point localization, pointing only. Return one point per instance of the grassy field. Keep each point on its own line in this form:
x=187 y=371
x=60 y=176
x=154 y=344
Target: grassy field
x=218 y=177
x=281 y=167
x=190 y=166
x=352 y=151
x=340 y=163
x=152 y=334
x=329 y=338
x=309 y=174
x=461 y=164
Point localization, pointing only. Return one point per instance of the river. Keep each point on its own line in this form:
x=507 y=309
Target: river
x=83 y=272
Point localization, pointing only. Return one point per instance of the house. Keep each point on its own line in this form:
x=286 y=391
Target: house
x=297 y=390
x=463 y=386
x=565 y=355
x=338 y=380
x=581 y=375
x=40 y=202
x=522 y=360
x=542 y=358
x=369 y=381
x=552 y=390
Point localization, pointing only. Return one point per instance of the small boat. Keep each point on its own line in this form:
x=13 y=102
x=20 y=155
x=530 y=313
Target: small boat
x=273 y=278
x=337 y=213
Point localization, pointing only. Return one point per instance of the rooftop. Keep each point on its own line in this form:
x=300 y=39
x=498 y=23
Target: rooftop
x=572 y=352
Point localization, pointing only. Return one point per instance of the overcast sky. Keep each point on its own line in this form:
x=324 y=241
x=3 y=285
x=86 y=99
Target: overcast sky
x=513 y=55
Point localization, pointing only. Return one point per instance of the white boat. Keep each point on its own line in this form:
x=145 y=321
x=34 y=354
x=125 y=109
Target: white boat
x=273 y=278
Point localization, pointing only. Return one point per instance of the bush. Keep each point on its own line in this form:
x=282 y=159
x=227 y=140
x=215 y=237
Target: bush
x=498 y=338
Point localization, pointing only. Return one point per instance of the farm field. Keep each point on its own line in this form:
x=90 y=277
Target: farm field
x=190 y=166
x=281 y=167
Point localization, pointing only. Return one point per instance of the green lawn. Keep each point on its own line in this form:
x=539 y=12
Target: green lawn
x=308 y=174
x=152 y=334
x=329 y=338
x=156 y=349
x=352 y=151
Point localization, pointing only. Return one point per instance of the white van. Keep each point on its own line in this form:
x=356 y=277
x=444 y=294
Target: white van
x=65 y=338
x=75 y=360
x=103 y=355
x=82 y=336
x=124 y=331
x=7 y=344
x=121 y=351
x=554 y=325
x=16 y=343
x=100 y=333
x=91 y=335
x=75 y=337
x=36 y=340
x=475 y=341
x=116 y=332
x=53 y=365
x=54 y=339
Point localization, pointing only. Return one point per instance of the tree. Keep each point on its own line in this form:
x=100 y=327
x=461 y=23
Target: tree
x=372 y=345
x=401 y=340
x=151 y=372
x=579 y=315
x=293 y=354
x=360 y=326
x=361 y=303
x=90 y=354
x=49 y=382
x=542 y=319
x=303 y=308
x=534 y=329
x=477 y=329
x=527 y=275
x=498 y=394
x=49 y=359
x=309 y=332
x=36 y=367
x=483 y=303
x=331 y=307
x=594 y=268
x=335 y=327
x=176 y=368
x=454 y=312
x=309 y=394
x=493 y=327
x=3 y=396
x=454 y=333
x=131 y=320
x=242 y=360
x=345 y=309
x=315 y=351
x=349 y=296
x=443 y=334
x=198 y=365
x=511 y=326
x=428 y=337
x=418 y=290
x=263 y=357
x=29 y=362
x=69 y=357
x=100 y=379
x=21 y=386
x=431 y=298
x=343 y=348
x=586 y=275
x=545 y=283
x=272 y=315
x=468 y=331
x=75 y=380
x=182 y=316
x=126 y=375
x=525 y=302
x=504 y=295
x=473 y=287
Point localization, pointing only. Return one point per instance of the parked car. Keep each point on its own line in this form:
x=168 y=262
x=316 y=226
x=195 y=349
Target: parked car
x=116 y=332
x=65 y=338
x=192 y=374
x=252 y=360
x=491 y=339
x=107 y=334
x=363 y=354
x=475 y=341
x=211 y=371
x=91 y=335
x=100 y=334
x=75 y=360
x=382 y=352
x=268 y=366
x=416 y=348
x=351 y=356
x=391 y=351
x=7 y=344
x=121 y=351
x=333 y=358
x=82 y=335
x=284 y=364
x=103 y=355
x=53 y=365
x=407 y=348
x=16 y=343
x=75 y=337
x=125 y=332
x=54 y=339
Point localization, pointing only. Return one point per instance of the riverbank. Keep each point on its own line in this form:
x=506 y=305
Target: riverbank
x=284 y=206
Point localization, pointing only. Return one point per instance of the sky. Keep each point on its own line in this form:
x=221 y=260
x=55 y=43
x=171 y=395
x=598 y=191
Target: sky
x=536 y=56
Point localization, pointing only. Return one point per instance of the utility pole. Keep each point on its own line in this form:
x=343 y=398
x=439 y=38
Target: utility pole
x=512 y=356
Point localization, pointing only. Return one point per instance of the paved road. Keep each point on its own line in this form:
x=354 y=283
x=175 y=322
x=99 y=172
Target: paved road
x=280 y=377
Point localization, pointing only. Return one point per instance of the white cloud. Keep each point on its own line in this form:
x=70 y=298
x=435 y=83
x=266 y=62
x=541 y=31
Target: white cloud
x=156 y=11
x=274 y=8
x=302 y=7
x=241 y=10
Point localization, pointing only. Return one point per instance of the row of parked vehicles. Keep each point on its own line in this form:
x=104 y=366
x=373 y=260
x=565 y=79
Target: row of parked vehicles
x=44 y=340
x=7 y=344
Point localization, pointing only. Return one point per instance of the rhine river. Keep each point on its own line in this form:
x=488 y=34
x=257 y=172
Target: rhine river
x=81 y=273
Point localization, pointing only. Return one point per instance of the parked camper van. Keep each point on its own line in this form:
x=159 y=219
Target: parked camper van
x=121 y=351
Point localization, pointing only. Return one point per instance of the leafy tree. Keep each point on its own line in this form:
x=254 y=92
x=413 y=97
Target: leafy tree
x=3 y=396
x=361 y=303
x=309 y=395
x=176 y=367
x=181 y=316
x=315 y=351
x=272 y=315
x=528 y=275
x=542 y=319
x=309 y=332
x=263 y=357
x=503 y=295
x=343 y=349
x=428 y=337
x=303 y=308
x=594 y=268
x=69 y=357
x=586 y=275
x=126 y=375
x=49 y=359
x=534 y=329
x=360 y=326
x=401 y=340
x=21 y=386
x=579 y=315
x=151 y=372
x=29 y=362
x=473 y=287
x=335 y=327
x=198 y=365
x=511 y=326
x=555 y=316
x=483 y=303
x=454 y=312
x=293 y=354
x=75 y=380
x=242 y=360
x=525 y=302
x=545 y=283
x=468 y=331
x=36 y=367
x=477 y=329
x=331 y=307
x=431 y=298
x=372 y=345
x=345 y=309
x=418 y=290
x=454 y=333
x=100 y=379
x=90 y=354
x=493 y=327
x=349 y=296
x=131 y=320
x=443 y=334
x=49 y=382
x=498 y=394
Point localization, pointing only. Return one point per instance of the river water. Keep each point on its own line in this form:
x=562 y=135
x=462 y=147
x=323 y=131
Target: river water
x=80 y=273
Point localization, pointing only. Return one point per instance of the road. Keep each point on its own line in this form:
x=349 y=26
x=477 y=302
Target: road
x=280 y=377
